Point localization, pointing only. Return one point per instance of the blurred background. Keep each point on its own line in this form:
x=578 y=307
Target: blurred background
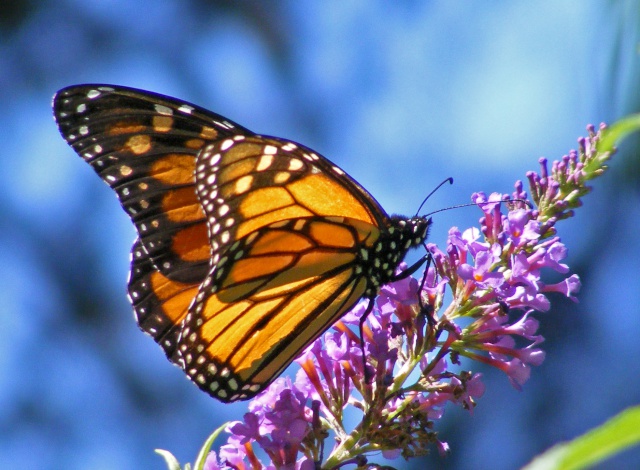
x=399 y=94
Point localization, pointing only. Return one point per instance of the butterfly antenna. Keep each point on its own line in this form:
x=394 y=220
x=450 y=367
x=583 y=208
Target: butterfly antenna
x=468 y=204
x=448 y=180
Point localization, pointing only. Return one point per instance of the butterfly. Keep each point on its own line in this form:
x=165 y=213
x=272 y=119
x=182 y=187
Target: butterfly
x=248 y=247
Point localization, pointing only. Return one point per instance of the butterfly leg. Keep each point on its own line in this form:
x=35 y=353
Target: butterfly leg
x=426 y=309
x=411 y=269
x=363 y=318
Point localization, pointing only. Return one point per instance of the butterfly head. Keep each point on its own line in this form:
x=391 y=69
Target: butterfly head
x=410 y=232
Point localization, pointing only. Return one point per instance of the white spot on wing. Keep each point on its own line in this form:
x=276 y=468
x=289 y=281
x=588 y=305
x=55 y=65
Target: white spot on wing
x=295 y=164
x=264 y=162
x=161 y=109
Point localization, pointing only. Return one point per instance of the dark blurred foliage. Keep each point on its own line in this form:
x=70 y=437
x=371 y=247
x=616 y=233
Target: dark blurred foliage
x=81 y=387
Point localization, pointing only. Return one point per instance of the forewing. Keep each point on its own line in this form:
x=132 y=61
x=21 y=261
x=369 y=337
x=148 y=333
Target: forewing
x=144 y=146
x=248 y=182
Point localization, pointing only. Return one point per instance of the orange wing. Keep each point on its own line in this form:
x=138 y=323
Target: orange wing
x=248 y=248
x=144 y=146
x=291 y=280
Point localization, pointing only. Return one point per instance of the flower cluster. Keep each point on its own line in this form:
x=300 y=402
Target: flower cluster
x=413 y=341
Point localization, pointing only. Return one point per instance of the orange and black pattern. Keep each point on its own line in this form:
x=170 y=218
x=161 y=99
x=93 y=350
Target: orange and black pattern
x=249 y=247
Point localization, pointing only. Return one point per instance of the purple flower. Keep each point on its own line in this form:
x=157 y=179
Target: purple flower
x=278 y=427
x=211 y=462
x=518 y=372
x=481 y=275
x=248 y=429
x=521 y=229
x=233 y=454
x=552 y=257
x=413 y=339
x=567 y=287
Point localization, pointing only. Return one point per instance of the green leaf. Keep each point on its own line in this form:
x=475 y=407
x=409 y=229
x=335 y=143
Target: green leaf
x=172 y=462
x=202 y=455
x=615 y=133
x=612 y=437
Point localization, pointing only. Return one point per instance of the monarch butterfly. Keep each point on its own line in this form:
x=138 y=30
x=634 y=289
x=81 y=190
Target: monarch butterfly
x=249 y=247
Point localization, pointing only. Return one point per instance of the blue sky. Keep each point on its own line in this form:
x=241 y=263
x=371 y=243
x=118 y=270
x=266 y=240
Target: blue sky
x=401 y=96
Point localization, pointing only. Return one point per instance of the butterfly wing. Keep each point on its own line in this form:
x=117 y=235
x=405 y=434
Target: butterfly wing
x=286 y=227
x=144 y=146
x=272 y=293
x=247 y=244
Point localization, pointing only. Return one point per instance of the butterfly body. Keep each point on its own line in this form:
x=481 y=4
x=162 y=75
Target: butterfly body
x=249 y=247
